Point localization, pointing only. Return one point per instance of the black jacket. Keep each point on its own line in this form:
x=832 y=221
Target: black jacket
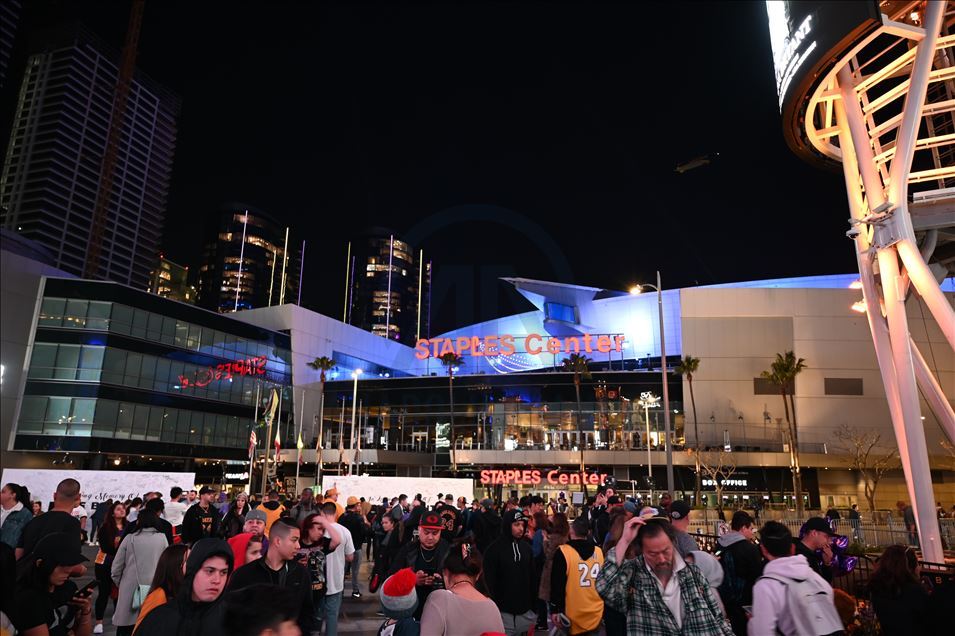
x=294 y=577
x=742 y=565
x=200 y=524
x=509 y=571
x=356 y=526
x=558 y=574
x=407 y=556
x=905 y=613
x=182 y=616
x=487 y=528
x=600 y=524
x=233 y=522
x=815 y=561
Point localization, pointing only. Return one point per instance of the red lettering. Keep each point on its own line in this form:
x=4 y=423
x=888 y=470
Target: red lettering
x=618 y=342
x=507 y=345
x=260 y=365
x=421 y=350
x=587 y=340
x=463 y=344
x=527 y=344
x=183 y=381
x=553 y=345
x=485 y=477
x=603 y=344
x=476 y=347
x=447 y=347
x=490 y=346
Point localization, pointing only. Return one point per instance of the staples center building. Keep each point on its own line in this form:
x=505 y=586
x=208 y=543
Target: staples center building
x=517 y=423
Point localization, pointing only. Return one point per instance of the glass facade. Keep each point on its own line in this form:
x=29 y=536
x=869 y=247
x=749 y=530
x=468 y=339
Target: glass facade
x=111 y=363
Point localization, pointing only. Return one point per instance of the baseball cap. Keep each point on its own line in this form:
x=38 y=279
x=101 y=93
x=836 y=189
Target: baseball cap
x=449 y=497
x=431 y=521
x=631 y=507
x=256 y=514
x=613 y=500
x=820 y=524
x=352 y=501
x=59 y=548
x=207 y=490
x=331 y=491
x=679 y=509
x=487 y=502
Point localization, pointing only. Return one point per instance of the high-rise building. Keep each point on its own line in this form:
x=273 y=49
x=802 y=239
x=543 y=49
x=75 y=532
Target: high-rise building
x=389 y=287
x=171 y=280
x=244 y=263
x=53 y=164
x=9 y=18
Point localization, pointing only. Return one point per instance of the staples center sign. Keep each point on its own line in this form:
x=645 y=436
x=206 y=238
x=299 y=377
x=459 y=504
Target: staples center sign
x=536 y=477
x=505 y=345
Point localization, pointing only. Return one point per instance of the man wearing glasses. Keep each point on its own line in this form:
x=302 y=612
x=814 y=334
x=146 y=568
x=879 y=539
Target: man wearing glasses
x=658 y=591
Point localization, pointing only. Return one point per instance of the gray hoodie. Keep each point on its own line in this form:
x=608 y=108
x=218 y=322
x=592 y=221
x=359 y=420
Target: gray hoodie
x=730 y=538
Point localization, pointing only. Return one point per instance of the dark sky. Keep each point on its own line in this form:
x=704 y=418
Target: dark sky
x=526 y=139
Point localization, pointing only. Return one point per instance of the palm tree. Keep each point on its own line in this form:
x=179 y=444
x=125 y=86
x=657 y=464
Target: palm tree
x=452 y=361
x=782 y=372
x=687 y=367
x=577 y=364
x=322 y=364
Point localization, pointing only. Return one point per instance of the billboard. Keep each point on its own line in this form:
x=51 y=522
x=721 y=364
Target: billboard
x=807 y=38
x=96 y=486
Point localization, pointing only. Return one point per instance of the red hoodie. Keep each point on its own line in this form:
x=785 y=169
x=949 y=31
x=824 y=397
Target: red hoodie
x=239 y=544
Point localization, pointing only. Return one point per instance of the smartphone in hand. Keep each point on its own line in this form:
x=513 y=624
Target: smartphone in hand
x=87 y=590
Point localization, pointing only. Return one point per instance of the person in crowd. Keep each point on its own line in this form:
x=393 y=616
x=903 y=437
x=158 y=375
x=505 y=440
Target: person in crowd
x=109 y=535
x=233 y=521
x=398 y=509
x=306 y=506
x=15 y=513
x=175 y=512
x=450 y=517
x=900 y=602
x=197 y=609
x=280 y=567
x=399 y=602
x=742 y=565
x=711 y=568
x=132 y=509
x=133 y=567
x=462 y=607
x=100 y=513
x=388 y=546
x=37 y=508
x=8 y=582
x=572 y=593
x=201 y=521
x=355 y=524
x=599 y=517
x=510 y=575
x=246 y=547
x=425 y=556
x=45 y=601
x=487 y=525
x=658 y=592
x=556 y=534
x=335 y=568
x=908 y=519
x=261 y=610
x=80 y=514
x=273 y=509
x=59 y=519
x=665 y=502
x=615 y=621
x=319 y=539
x=167 y=580
x=411 y=521
x=331 y=495
x=192 y=498
x=372 y=529
x=790 y=597
x=255 y=522
x=816 y=545
x=156 y=506
x=541 y=528
x=679 y=514
x=464 y=514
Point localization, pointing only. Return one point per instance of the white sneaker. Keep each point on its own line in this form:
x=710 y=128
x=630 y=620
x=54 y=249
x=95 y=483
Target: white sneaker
x=98 y=629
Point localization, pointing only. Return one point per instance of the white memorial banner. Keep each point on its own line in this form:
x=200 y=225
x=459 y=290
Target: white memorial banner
x=96 y=486
x=374 y=489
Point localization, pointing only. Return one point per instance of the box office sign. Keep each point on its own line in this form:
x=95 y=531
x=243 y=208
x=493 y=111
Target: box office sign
x=533 y=477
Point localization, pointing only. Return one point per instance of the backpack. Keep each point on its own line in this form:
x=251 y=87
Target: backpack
x=733 y=585
x=810 y=604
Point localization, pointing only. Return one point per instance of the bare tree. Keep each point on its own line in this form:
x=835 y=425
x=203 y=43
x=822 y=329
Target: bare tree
x=867 y=456
x=719 y=467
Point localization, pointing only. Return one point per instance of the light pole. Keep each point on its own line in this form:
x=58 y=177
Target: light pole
x=648 y=399
x=354 y=405
x=636 y=289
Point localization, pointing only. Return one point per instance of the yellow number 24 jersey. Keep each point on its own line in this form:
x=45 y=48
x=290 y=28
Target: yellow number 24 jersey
x=583 y=606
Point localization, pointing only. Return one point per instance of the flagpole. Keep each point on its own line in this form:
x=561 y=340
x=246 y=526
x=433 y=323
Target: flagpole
x=358 y=441
x=268 y=438
x=277 y=417
x=255 y=422
x=341 y=440
x=298 y=443
x=319 y=449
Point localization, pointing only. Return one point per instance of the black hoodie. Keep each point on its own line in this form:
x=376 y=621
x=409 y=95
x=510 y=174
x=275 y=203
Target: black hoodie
x=487 y=528
x=558 y=575
x=509 y=570
x=200 y=523
x=182 y=616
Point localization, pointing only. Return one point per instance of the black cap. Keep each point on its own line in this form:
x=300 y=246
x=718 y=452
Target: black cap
x=207 y=490
x=59 y=549
x=679 y=509
x=431 y=521
x=820 y=524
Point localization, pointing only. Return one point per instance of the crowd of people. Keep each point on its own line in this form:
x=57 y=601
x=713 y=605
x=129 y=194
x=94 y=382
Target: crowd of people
x=196 y=563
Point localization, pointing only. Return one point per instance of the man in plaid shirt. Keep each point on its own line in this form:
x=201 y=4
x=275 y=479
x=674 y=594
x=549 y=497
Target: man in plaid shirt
x=659 y=592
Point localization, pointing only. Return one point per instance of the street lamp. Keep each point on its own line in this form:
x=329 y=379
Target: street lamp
x=636 y=289
x=354 y=405
x=648 y=399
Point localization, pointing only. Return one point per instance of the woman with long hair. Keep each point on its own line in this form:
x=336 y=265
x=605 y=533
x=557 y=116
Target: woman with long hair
x=134 y=567
x=170 y=572
x=109 y=535
x=462 y=608
x=900 y=602
x=319 y=539
x=388 y=545
x=15 y=512
x=234 y=517
x=556 y=534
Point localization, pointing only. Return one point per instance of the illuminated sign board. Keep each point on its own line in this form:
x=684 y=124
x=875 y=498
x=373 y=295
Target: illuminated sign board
x=224 y=371
x=726 y=482
x=505 y=345
x=534 y=477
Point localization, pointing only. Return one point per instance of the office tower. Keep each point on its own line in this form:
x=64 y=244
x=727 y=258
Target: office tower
x=9 y=18
x=171 y=280
x=389 y=287
x=53 y=164
x=239 y=234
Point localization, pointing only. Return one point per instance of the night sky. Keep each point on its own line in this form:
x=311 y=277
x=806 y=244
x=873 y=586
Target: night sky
x=506 y=139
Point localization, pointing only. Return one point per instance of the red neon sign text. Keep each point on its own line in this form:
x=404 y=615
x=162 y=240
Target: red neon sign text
x=534 y=344
x=534 y=478
x=224 y=371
